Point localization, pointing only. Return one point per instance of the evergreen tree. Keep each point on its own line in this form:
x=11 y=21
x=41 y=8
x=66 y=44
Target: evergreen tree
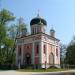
x=70 y=54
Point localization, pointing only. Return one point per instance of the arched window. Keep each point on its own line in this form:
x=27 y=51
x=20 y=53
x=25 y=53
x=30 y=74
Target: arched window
x=33 y=30
x=56 y=51
x=19 y=52
x=44 y=48
x=51 y=59
x=37 y=48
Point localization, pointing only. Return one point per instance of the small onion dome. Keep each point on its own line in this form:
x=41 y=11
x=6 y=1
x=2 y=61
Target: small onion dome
x=52 y=30
x=37 y=20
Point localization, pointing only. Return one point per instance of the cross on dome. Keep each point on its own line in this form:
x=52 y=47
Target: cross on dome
x=52 y=29
x=38 y=13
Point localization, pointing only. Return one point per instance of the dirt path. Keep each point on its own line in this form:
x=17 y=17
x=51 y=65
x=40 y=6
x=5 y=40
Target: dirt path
x=13 y=72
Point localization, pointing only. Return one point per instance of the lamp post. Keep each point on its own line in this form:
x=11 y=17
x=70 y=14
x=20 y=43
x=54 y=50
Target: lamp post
x=2 y=46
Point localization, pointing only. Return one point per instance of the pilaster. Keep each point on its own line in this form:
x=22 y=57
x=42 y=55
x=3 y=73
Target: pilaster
x=41 y=52
x=33 y=53
x=22 y=54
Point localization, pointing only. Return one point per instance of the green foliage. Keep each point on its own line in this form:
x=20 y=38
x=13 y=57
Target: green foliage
x=70 y=54
x=12 y=31
x=21 y=26
x=6 y=16
x=62 y=53
x=15 y=30
x=7 y=43
x=8 y=36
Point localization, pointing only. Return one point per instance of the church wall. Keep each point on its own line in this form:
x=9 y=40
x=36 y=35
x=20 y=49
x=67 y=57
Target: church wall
x=57 y=58
x=27 y=49
x=41 y=57
x=49 y=51
x=36 y=52
x=51 y=48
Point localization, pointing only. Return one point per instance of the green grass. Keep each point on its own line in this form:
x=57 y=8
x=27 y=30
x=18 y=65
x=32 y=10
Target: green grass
x=41 y=70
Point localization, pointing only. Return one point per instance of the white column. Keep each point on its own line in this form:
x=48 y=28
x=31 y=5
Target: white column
x=55 y=57
x=33 y=53
x=47 y=58
x=41 y=52
x=22 y=54
x=59 y=55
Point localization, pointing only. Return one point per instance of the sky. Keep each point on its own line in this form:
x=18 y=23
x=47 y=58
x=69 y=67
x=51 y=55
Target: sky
x=59 y=14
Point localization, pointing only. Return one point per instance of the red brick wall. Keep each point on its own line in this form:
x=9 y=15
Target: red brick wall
x=28 y=48
x=36 y=53
x=19 y=47
x=36 y=60
x=35 y=50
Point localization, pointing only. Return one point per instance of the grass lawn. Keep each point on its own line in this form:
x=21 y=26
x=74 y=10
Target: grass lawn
x=41 y=70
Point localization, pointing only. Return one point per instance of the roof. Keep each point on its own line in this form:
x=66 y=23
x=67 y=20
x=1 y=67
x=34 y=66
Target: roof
x=39 y=34
x=37 y=20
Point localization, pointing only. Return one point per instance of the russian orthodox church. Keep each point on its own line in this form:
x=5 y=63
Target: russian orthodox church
x=38 y=49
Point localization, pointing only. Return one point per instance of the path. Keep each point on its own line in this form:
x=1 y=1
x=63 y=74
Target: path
x=13 y=72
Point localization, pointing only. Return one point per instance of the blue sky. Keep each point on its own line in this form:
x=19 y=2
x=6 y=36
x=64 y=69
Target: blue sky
x=59 y=13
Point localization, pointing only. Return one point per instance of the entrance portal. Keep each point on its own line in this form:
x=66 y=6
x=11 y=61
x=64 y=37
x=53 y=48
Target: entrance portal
x=51 y=59
x=28 y=59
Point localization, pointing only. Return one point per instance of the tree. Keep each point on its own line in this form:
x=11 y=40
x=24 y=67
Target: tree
x=70 y=54
x=8 y=36
x=5 y=17
x=72 y=41
x=62 y=53
x=15 y=31
x=12 y=31
x=21 y=26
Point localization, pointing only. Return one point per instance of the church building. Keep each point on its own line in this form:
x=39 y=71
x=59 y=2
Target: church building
x=38 y=49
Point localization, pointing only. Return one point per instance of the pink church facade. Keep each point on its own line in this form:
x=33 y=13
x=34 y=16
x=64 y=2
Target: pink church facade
x=38 y=48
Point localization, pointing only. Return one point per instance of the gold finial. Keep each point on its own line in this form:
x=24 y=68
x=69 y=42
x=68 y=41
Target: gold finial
x=52 y=26
x=52 y=29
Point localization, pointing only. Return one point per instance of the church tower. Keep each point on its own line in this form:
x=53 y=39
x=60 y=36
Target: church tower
x=52 y=32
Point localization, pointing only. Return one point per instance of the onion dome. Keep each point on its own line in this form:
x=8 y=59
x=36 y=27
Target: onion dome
x=38 y=20
x=52 y=30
